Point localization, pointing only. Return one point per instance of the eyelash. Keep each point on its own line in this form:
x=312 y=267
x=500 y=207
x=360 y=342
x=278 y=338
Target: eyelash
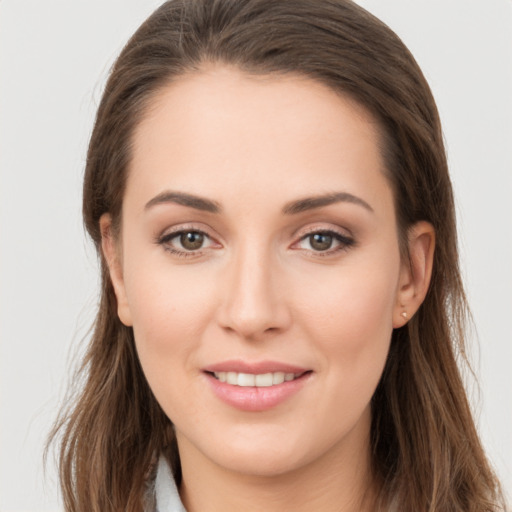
x=345 y=242
x=165 y=240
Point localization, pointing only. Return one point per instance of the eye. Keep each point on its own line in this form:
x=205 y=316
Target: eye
x=320 y=241
x=185 y=242
x=325 y=241
x=191 y=240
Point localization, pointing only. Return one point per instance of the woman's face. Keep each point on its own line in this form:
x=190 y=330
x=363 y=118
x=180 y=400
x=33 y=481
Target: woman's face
x=259 y=247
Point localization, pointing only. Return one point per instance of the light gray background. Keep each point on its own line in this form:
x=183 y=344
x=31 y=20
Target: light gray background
x=54 y=59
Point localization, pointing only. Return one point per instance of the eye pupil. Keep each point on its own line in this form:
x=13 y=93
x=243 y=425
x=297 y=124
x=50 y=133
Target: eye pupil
x=191 y=240
x=320 y=241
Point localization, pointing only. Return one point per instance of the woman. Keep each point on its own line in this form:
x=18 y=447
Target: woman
x=281 y=304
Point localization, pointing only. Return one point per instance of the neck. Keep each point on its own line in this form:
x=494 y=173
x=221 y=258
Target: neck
x=340 y=480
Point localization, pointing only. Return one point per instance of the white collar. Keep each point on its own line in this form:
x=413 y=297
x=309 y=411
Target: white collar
x=166 y=493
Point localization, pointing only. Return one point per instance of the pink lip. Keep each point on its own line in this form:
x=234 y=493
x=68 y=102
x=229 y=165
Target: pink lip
x=259 y=367
x=255 y=399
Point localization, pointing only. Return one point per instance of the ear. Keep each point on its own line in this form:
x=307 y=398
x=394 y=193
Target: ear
x=415 y=272
x=111 y=253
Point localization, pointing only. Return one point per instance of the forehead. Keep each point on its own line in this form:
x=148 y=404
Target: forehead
x=221 y=130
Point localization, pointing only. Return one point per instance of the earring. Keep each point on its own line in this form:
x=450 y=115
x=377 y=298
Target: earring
x=404 y=314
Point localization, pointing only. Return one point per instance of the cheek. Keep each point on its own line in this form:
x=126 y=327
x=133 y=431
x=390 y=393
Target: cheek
x=352 y=305
x=169 y=308
x=351 y=323
x=168 y=320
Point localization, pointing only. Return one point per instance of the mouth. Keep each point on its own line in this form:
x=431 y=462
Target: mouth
x=256 y=387
x=259 y=380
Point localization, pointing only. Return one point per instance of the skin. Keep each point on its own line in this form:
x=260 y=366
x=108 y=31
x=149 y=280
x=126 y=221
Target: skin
x=258 y=289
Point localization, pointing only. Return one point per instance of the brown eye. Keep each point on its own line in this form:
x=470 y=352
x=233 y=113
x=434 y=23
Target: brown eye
x=191 y=240
x=325 y=243
x=320 y=241
x=187 y=243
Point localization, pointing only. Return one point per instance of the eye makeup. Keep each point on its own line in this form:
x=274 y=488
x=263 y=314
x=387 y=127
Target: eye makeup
x=185 y=241
x=190 y=241
x=325 y=242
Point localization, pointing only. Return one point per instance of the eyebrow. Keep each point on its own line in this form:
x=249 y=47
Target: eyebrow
x=310 y=203
x=181 y=198
x=291 y=208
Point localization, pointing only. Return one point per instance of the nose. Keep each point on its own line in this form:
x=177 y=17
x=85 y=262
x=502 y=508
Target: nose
x=253 y=303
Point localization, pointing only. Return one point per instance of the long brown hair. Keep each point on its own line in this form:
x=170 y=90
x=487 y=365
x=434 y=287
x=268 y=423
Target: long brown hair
x=425 y=448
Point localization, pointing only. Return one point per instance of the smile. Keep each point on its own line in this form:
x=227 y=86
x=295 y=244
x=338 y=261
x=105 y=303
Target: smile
x=256 y=387
x=259 y=380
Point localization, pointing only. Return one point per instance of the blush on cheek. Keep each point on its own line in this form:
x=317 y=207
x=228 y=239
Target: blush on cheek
x=354 y=314
x=167 y=330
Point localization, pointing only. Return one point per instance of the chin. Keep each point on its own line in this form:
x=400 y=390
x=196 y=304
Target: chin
x=264 y=463
x=264 y=450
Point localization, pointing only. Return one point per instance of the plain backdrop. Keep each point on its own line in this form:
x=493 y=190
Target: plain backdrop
x=54 y=58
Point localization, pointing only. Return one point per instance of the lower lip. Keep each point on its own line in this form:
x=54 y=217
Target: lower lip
x=256 y=399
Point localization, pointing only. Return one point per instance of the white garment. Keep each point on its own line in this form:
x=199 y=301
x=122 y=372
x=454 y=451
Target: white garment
x=166 y=492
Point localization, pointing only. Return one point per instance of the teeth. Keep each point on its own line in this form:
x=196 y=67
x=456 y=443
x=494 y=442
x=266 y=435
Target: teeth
x=263 y=380
x=246 y=379
x=250 y=380
x=278 y=378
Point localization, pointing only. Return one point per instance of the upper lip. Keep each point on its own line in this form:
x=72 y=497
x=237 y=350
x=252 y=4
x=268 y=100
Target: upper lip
x=256 y=368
